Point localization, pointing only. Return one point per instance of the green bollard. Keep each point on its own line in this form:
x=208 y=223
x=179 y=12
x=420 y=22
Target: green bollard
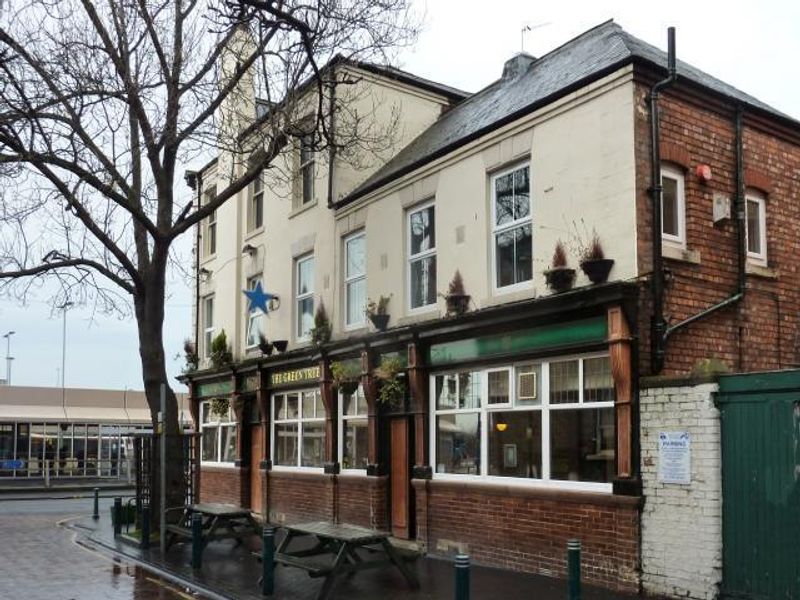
x=197 y=541
x=117 y=516
x=144 y=544
x=462 y=577
x=574 y=570
x=268 y=561
x=96 y=513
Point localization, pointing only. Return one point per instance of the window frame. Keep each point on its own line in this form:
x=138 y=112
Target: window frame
x=758 y=258
x=544 y=407
x=348 y=279
x=516 y=223
x=678 y=174
x=341 y=426
x=209 y=241
x=255 y=205
x=299 y=421
x=218 y=425
x=307 y=167
x=208 y=330
x=419 y=256
x=252 y=314
x=298 y=297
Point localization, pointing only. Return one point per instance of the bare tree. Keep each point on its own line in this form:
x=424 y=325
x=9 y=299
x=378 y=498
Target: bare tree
x=103 y=102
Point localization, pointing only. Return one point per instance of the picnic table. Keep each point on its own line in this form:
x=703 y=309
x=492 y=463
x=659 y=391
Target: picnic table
x=220 y=522
x=335 y=551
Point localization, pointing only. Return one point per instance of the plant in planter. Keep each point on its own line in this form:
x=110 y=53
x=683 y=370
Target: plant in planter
x=321 y=332
x=593 y=261
x=220 y=351
x=264 y=345
x=390 y=372
x=346 y=375
x=219 y=407
x=280 y=345
x=456 y=298
x=192 y=360
x=559 y=276
x=378 y=312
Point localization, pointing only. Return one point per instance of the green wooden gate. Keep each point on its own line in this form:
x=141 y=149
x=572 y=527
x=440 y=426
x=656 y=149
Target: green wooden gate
x=761 y=485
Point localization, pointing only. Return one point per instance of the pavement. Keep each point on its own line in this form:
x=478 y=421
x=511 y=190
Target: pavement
x=36 y=485
x=231 y=571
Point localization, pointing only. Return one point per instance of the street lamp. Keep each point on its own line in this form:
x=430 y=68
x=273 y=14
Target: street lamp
x=64 y=308
x=9 y=358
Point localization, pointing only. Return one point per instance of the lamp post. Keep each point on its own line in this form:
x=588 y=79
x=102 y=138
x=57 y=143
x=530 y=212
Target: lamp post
x=63 y=309
x=9 y=358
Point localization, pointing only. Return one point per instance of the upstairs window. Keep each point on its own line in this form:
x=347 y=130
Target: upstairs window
x=254 y=317
x=756 y=209
x=355 y=279
x=208 y=324
x=255 y=204
x=307 y=168
x=673 y=206
x=304 y=296
x=512 y=228
x=422 y=257
x=210 y=238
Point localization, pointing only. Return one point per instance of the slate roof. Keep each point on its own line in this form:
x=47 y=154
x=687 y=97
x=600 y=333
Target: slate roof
x=593 y=54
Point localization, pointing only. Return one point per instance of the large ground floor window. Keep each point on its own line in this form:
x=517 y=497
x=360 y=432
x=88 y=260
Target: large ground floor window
x=551 y=421
x=218 y=432
x=298 y=429
x=353 y=431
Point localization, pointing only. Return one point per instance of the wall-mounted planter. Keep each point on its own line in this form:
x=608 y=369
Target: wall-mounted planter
x=560 y=279
x=597 y=270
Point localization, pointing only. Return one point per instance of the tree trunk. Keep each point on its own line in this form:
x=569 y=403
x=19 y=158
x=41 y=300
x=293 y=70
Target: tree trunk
x=149 y=308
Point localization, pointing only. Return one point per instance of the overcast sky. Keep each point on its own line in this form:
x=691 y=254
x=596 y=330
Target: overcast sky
x=752 y=45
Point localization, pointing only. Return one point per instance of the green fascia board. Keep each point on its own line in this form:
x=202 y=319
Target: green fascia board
x=771 y=381
x=214 y=388
x=572 y=333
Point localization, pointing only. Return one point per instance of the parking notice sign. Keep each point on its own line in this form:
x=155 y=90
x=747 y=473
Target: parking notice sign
x=674 y=457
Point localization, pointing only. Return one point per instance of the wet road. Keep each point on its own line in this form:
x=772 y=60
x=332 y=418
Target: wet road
x=39 y=558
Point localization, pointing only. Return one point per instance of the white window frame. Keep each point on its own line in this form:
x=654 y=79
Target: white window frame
x=307 y=192
x=254 y=200
x=543 y=406
x=219 y=425
x=497 y=229
x=254 y=316
x=299 y=421
x=299 y=297
x=342 y=419
x=348 y=279
x=678 y=175
x=760 y=257
x=209 y=241
x=419 y=256
x=208 y=327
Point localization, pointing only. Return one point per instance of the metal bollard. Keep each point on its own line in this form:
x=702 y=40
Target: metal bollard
x=462 y=577
x=574 y=570
x=197 y=541
x=268 y=561
x=47 y=473
x=96 y=513
x=145 y=542
x=117 y=516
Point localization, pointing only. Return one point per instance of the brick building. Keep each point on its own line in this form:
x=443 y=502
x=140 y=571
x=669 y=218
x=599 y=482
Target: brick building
x=506 y=429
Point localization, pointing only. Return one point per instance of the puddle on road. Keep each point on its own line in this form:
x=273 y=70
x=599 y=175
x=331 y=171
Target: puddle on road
x=142 y=585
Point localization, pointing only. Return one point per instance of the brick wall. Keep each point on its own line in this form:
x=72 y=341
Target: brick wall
x=296 y=496
x=762 y=331
x=221 y=484
x=525 y=529
x=682 y=524
x=363 y=501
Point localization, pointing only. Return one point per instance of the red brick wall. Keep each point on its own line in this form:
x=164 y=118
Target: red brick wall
x=524 y=529
x=363 y=501
x=295 y=496
x=221 y=484
x=762 y=331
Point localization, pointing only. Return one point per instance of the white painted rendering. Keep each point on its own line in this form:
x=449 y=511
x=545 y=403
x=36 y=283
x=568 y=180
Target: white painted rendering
x=682 y=524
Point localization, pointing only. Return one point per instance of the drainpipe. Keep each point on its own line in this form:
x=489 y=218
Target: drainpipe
x=331 y=141
x=658 y=323
x=194 y=179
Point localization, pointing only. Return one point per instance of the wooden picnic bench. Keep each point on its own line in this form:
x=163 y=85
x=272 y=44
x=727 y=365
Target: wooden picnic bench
x=335 y=551
x=220 y=522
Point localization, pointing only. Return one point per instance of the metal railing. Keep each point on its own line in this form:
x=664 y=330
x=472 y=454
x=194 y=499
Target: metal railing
x=121 y=469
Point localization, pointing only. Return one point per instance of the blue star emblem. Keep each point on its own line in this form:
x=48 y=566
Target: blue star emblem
x=259 y=298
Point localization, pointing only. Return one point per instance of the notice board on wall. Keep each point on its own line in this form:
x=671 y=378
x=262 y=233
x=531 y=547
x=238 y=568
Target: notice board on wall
x=674 y=457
